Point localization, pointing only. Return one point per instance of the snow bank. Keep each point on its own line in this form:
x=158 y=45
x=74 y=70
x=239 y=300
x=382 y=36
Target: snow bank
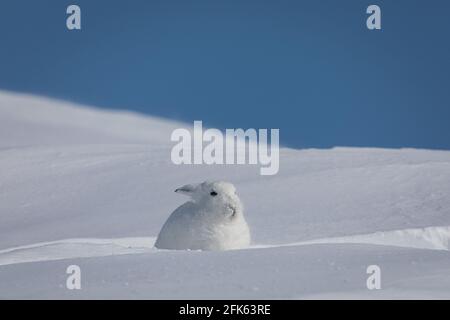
x=71 y=172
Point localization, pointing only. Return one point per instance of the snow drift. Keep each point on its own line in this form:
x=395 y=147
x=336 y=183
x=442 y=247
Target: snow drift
x=79 y=185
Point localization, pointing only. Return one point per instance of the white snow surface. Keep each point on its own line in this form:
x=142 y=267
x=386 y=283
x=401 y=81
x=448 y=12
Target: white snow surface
x=85 y=186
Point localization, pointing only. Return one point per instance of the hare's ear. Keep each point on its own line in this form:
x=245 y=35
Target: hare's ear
x=187 y=189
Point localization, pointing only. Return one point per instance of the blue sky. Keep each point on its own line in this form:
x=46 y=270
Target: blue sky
x=310 y=68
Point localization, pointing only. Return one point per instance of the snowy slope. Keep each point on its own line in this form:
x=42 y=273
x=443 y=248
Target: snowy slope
x=91 y=187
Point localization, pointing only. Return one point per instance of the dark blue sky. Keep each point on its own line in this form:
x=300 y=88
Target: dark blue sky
x=310 y=68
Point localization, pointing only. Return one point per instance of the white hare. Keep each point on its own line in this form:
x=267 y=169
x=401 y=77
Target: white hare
x=212 y=220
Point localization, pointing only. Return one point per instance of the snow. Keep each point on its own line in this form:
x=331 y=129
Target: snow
x=80 y=185
x=75 y=248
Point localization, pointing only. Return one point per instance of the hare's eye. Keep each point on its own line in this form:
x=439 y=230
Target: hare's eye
x=213 y=193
